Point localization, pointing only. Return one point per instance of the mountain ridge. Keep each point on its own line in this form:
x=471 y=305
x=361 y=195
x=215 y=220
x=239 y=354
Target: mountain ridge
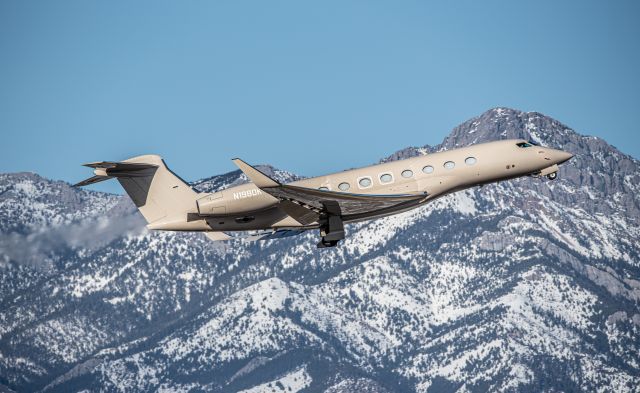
x=525 y=285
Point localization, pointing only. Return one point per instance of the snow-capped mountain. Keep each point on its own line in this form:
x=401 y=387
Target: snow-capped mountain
x=526 y=285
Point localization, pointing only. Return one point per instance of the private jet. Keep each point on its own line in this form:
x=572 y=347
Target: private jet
x=267 y=209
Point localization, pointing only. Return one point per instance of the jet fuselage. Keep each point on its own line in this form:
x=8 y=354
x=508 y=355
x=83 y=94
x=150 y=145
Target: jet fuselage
x=324 y=202
x=247 y=207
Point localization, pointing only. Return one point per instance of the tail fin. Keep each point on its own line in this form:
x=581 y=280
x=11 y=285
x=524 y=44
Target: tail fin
x=156 y=191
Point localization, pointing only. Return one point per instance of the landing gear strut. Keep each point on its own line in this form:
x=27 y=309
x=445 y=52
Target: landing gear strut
x=552 y=175
x=333 y=230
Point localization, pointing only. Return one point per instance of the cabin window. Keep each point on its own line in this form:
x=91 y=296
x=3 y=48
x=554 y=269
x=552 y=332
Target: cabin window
x=323 y=188
x=470 y=161
x=344 y=186
x=449 y=165
x=427 y=169
x=407 y=173
x=524 y=144
x=365 y=182
x=386 y=178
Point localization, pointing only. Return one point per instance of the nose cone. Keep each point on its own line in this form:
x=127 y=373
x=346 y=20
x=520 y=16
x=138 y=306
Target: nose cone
x=559 y=156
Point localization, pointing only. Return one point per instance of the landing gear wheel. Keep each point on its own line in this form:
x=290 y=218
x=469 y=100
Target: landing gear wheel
x=327 y=243
x=552 y=175
x=332 y=231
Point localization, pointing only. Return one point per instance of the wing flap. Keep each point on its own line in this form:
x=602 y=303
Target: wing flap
x=300 y=213
x=349 y=203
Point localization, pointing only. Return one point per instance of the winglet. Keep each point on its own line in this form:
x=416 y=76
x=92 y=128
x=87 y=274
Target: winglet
x=258 y=178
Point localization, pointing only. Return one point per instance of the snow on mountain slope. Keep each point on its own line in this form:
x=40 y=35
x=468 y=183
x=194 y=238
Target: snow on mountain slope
x=28 y=201
x=522 y=285
x=291 y=382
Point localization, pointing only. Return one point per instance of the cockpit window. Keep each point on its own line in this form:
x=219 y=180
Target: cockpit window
x=524 y=144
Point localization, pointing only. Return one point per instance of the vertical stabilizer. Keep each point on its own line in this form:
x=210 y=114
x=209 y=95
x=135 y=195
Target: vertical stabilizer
x=158 y=193
x=161 y=194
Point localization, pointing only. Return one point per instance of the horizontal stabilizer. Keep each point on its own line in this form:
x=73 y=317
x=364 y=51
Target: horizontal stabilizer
x=92 y=180
x=105 y=170
x=124 y=166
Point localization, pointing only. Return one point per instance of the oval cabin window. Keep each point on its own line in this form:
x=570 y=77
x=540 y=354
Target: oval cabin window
x=449 y=164
x=365 y=182
x=343 y=186
x=470 y=161
x=407 y=173
x=386 y=178
x=427 y=169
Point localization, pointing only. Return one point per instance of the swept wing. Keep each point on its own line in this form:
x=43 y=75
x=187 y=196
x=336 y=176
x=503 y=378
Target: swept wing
x=307 y=204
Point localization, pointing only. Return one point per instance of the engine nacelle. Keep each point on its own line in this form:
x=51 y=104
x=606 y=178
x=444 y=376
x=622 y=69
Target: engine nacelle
x=236 y=200
x=212 y=205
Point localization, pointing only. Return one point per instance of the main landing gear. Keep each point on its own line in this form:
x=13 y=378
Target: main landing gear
x=333 y=229
x=552 y=176
x=332 y=232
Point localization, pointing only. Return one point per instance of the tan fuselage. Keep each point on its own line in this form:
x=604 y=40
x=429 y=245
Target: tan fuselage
x=246 y=207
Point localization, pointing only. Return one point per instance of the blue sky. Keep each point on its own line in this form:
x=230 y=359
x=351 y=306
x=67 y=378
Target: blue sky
x=308 y=87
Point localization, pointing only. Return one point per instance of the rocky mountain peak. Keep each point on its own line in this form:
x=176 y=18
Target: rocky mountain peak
x=524 y=285
x=507 y=123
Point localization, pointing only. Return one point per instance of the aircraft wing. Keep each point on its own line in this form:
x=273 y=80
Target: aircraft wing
x=310 y=202
x=251 y=237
